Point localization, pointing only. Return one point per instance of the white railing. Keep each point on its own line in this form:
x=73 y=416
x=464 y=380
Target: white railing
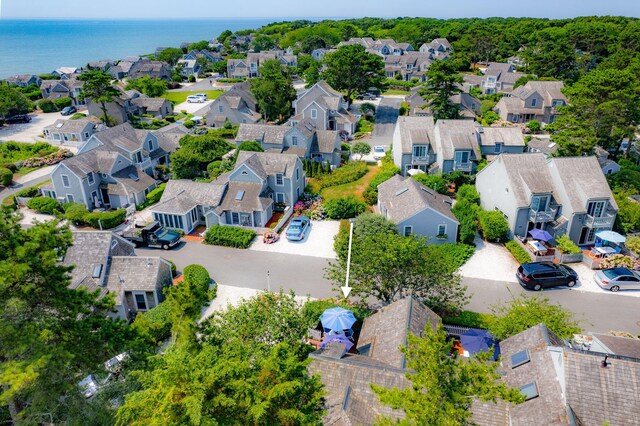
x=599 y=222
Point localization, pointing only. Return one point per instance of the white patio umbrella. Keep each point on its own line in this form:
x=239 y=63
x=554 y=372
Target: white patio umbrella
x=414 y=172
x=611 y=236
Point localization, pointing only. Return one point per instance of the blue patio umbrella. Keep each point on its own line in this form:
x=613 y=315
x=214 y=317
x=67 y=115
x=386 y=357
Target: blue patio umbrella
x=340 y=338
x=539 y=234
x=475 y=341
x=611 y=236
x=337 y=319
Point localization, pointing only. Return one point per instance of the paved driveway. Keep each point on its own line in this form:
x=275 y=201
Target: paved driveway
x=29 y=132
x=193 y=108
x=386 y=119
x=318 y=242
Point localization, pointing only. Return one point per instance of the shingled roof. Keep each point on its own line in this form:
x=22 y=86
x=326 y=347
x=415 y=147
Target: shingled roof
x=266 y=163
x=415 y=130
x=129 y=273
x=182 y=195
x=404 y=197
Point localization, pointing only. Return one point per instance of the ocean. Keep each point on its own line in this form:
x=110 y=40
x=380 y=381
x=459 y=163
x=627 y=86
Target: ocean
x=40 y=46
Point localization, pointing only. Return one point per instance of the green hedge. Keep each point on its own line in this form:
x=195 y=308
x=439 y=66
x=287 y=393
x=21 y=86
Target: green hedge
x=29 y=192
x=492 y=225
x=155 y=324
x=465 y=212
x=386 y=172
x=469 y=193
x=455 y=254
x=229 y=236
x=344 y=208
x=348 y=173
x=44 y=205
x=470 y=319
x=518 y=252
x=75 y=213
x=153 y=196
x=565 y=245
x=108 y=220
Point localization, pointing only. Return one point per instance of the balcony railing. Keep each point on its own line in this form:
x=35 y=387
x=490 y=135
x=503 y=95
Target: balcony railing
x=543 y=215
x=421 y=159
x=463 y=167
x=600 y=222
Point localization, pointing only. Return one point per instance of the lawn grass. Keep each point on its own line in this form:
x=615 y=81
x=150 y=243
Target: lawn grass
x=355 y=188
x=396 y=92
x=180 y=97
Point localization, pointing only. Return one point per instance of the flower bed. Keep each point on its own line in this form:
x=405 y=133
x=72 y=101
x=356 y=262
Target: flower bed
x=48 y=160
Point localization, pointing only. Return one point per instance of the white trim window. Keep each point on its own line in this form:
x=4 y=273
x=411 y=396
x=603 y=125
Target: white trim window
x=498 y=148
x=407 y=231
x=90 y=178
x=279 y=179
x=65 y=181
x=314 y=114
x=442 y=230
x=534 y=102
x=280 y=197
x=140 y=300
x=70 y=198
x=294 y=140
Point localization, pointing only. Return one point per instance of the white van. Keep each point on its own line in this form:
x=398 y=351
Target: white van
x=195 y=99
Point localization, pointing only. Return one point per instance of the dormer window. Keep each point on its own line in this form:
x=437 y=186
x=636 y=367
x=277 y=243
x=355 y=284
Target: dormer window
x=294 y=140
x=90 y=179
x=151 y=145
x=498 y=148
x=314 y=114
x=534 y=102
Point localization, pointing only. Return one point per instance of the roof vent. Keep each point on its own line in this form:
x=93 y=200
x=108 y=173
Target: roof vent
x=134 y=177
x=97 y=271
x=402 y=191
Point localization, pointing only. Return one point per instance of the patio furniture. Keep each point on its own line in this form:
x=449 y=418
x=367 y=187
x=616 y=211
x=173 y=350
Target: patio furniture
x=537 y=247
x=603 y=251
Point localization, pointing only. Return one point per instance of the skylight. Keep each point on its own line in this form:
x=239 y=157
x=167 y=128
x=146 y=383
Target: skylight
x=520 y=358
x=239 y=195
x=402 y=191
x=134 y=177
x=529 y=391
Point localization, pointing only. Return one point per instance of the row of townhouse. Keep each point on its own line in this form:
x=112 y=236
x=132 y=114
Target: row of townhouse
x=250 y=66
x=114 y=168
x=131 y=103
x=468 y=105
x=449 y=145
x=260 y=184
x=561 y=195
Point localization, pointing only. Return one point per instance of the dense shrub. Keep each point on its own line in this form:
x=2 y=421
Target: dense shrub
x=61 y=103
x=10 y=166
x=29 y=192
x=250 y=146
x=188 y=124
x=154 y=324
x=455 y=254
x=348 y=173
x=48 y=160
x=108 y=220
x=492 y=225
x=567 y=246
x=491 y=117
x=620 y=261
x=192 y=78
x=75 y=213
x=153 y=196
x=44 y=205
x=344 y=208
x=518 y=252
x=77 y=116
x=213 y=169
x=435 y=182
x=465 y=212
x=198 y=276
x=633 y=244
x=229 y=236
x=534 y=126
x=6 y=176
x=46 y=105
x=469 y=193
x=470 y=319
x=386 y=172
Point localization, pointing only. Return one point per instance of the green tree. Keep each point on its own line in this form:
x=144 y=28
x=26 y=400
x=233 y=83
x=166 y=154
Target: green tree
x=443 y=82
x=312 y=74
x=186 y=300
x=274 y=91
x=360 y=149
x=263 y=42
x=443 y=386
x=312 y=43
x=435 y=182
x=388 y=267
x=13 y=102
x=534 y=126
x=199 y=45
x=195 y=154
x=352 y=69
x=51 y=334
x=170 y=55
x=523 y=312
x=573 y=135
x=250 y=146
x=224 y=36
x=365 y=225
x=150 y=86
x=6 y=176
x=97 y=88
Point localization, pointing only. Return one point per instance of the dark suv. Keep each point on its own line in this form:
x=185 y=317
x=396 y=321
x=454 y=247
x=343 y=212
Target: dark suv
x=538 y=275
x=20 y=118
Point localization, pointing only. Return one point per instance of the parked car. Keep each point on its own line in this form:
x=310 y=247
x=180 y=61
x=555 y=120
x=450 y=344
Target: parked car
x=297 y=228
x=153 y=235
x=68 y=110
x=195 y=99
x=20 y=118
x=203 y=96
x=615 y=279
x=89 y=386
x=378 y=152
x=367 y=96
x=538 y=275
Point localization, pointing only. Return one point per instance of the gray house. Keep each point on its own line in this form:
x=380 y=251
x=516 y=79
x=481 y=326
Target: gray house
x=237 y=105
x=24 y=80
x=64 y=88
x=154 y=69
x=468 y=105
x=559 y=195
x=304 y=140
x=113 y=169
x=71 y=132
x=189 y=67
x=414 y=143
x=497 y=140
x=325 y=107
x=247 y=196
x=129 y=104
x=417 y=210
x=457 y=146
x=107 y=262
x=536 y=100
x=498 y=78
x=250 y=67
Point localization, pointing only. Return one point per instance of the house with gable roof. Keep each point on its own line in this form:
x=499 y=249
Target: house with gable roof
x=72 y=132
x=23 y=80
x=250 y=67
x=129 y=104
x=536 y=100
x=237 y=105
x=469 y=106
x=417 y=210
x=154 y=69
x=260 y=183
x=498 y=78
x=325 y=107
x=114 y=168
x=106 y=262
x=63 y=88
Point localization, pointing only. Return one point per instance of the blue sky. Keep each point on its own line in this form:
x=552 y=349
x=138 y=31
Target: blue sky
x=138 y=9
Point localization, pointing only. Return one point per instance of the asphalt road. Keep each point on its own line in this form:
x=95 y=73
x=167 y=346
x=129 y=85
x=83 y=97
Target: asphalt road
x=5 y=192
x=305 y=275
x=386 y=118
